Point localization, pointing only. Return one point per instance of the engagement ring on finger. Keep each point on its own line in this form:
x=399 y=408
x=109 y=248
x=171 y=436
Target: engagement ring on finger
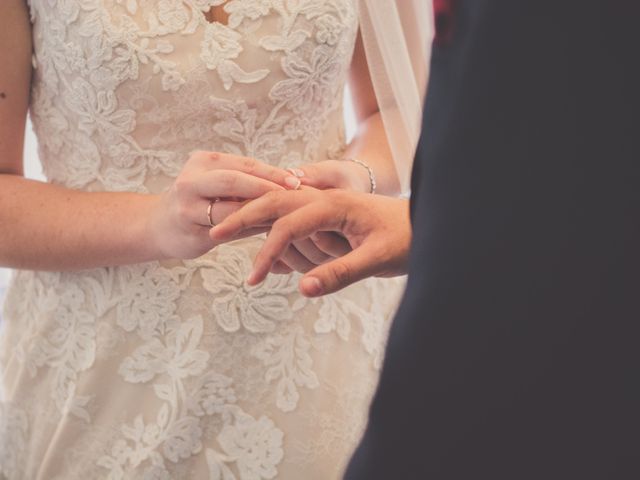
x=210 y=211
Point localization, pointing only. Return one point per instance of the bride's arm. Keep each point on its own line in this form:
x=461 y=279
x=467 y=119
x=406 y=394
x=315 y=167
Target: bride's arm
x=48 y=227
x=369 y=144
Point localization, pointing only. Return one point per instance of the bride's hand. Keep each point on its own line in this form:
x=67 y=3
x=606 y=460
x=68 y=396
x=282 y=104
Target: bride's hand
x=328 y=174
x=179 y=223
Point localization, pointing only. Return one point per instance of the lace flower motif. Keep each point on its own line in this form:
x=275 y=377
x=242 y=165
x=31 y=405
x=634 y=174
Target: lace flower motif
x=289 y=365
x=237 y=305
x=309 y=86
x=98 y=111
x=178 y=357
x=148 y=299
x=220 y=46
x=255 y=445
x=251 y=9
x=329 y=29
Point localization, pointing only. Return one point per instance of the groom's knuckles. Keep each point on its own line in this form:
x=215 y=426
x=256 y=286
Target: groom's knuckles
x=271 y=201
x=278 y=240
x=283 y=230
x=268 y=255
x=276 y=203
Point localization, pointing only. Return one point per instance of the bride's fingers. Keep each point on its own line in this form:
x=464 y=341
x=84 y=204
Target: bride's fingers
x=332 y=244
x=309 y=249
x=317 y=175
x=232 y=183
x=220 y=209
x=200 y=214
x=250 y=166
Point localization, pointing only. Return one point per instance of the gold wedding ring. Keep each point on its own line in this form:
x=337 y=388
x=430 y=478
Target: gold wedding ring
x=210 y=211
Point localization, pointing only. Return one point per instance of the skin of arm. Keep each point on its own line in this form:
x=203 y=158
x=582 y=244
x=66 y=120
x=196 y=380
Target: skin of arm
x=369 y=144
x=377 y=228
x=48 y=227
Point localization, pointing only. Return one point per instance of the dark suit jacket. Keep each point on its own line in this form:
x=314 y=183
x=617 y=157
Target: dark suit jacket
x=516 y=351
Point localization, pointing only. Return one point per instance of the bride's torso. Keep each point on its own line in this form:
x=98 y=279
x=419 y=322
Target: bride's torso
x=125 y=89
x=178 y=370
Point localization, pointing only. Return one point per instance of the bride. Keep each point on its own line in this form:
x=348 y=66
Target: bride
x=129 y=347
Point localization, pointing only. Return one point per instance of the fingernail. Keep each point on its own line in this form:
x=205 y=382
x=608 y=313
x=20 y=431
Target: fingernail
x=296 y=171
x=311 y=286
x=293 y=183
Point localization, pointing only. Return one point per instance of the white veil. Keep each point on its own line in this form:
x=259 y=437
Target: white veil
x=397 y=38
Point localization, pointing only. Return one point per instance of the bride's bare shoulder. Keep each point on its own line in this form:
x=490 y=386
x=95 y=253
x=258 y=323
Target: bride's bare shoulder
x=15 y=81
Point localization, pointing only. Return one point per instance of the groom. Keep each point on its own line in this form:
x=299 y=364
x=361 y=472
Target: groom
x=516 y=350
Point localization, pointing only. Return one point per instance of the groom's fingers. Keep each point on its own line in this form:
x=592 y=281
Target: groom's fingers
x=331 y=243
x=361 y=263
x=220 y=209
x=256 y=212
x=232 y=183
x=262 y=211
x=310 y=250
x=299 y=224
x=252 y=232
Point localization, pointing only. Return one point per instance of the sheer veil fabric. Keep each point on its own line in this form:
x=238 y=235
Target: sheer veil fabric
x=397 y=38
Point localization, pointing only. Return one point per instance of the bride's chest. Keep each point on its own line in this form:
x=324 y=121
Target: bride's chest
x=118 y=40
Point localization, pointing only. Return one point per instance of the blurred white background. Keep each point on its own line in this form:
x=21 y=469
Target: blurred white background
x=33 y=169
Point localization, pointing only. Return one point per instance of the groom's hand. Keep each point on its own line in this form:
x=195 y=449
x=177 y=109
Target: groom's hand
x=377 y=228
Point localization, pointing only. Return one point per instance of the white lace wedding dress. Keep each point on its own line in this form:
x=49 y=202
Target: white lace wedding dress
x=177 y=370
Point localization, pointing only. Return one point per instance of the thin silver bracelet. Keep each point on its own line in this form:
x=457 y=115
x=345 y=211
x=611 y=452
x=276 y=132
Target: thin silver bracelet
x=372 y=176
